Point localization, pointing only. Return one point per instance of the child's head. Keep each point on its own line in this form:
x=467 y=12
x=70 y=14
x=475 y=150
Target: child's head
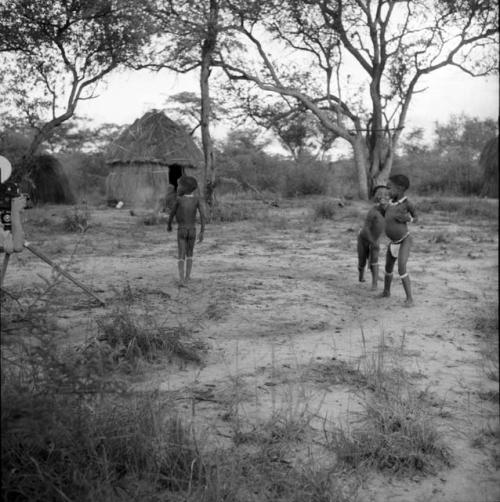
x=186 y=185
x=379 y=193
x=398 y=184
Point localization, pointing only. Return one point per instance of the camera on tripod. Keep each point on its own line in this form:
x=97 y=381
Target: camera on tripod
x=8 y=191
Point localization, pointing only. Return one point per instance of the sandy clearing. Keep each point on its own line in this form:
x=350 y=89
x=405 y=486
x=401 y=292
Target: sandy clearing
x=274 y=301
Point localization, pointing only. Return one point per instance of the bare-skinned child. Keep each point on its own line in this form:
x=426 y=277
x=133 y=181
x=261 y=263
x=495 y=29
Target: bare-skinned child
x=399 y=212
x=369 y=235
x=188 y=203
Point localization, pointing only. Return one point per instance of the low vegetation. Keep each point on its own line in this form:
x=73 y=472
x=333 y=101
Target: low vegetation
x=395 y=431
x=76 y=220
x=135 y=337
x=326 y=209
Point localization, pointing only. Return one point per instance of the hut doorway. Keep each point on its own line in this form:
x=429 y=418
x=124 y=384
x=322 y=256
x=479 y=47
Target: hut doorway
x=174 y=173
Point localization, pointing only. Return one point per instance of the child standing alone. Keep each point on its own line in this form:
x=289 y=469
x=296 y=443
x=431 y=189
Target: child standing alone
x=186 y=206
x=369 y=235
x=399 y=212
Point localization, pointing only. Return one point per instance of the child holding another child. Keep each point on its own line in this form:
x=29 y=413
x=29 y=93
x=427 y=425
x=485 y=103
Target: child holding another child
x=399 y=212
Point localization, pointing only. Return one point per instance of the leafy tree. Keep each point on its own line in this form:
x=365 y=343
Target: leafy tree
x=298 y=50
x=55 y=52
x=413 y=142
x=467 y=134
x=184 y=107
x=296 y=127
x=242 y=157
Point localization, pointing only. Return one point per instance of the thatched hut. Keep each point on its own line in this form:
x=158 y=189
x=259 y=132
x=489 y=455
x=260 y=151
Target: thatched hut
x=488 y=162
x=148 y=158
x=50 y=183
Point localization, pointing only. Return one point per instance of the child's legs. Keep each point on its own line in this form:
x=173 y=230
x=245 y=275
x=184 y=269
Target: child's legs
x=404 y=253
x=374 y=252
x=191 y=239
x=363 y=251
x=389 y=267
x=389 y=261
x=181 y=245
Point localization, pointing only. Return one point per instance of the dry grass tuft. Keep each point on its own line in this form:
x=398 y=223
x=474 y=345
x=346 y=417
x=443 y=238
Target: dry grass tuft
x=396 y=435
x=326 y=209
x=77 y=220
x=395 y=431
x=135 y=337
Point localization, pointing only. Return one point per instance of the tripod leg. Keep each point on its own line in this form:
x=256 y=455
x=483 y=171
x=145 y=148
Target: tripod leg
x=56 y=267
x=4 y=267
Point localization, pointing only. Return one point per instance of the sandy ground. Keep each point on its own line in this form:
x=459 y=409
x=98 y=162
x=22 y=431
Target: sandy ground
x=277 y=304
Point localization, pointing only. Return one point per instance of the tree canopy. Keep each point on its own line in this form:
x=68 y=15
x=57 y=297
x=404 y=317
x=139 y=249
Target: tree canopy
x=55 y=53
x=313 y=51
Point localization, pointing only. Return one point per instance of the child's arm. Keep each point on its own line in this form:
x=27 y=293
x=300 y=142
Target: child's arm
x=413 y=212
x=201 y=209
x=171 y=216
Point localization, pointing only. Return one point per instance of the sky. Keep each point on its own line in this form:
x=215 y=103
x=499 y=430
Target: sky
x=127 y=96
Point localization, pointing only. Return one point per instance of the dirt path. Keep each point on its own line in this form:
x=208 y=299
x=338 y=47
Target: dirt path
x=277 y=303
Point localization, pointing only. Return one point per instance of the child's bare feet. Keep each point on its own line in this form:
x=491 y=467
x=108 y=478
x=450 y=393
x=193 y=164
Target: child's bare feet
x=409 y=302
x=374 y=287
x=385 y=294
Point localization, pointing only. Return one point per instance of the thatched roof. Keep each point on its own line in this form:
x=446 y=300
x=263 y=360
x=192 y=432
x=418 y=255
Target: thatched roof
x=154 y=139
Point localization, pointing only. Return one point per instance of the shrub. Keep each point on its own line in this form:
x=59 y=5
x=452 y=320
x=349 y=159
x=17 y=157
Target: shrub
x=302 y=181
x=77 y=220
x=136 y=337
x=225 y=212
x=455 y=174
x=465 y=207
x=326 y=209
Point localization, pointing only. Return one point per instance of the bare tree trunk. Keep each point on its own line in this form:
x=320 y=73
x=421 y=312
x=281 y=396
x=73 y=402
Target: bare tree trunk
x=383 y=174
x=209 y=174
x=207 y=50
x=360 y=161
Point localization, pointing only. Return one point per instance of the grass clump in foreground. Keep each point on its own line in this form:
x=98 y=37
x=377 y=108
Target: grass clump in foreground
x=397 y=433
x=396 y=436
x=69 y=431
x=135 y=337
x=84 y=449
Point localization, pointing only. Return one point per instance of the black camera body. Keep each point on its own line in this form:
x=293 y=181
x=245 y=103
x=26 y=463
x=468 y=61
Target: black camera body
x=8 y=191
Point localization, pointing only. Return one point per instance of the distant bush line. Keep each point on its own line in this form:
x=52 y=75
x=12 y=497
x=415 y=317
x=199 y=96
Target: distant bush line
x=429 y=173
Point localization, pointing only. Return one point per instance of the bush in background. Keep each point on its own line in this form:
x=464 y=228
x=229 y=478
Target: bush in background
x=430 y=173
x=87 y=175
x=326 y=209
